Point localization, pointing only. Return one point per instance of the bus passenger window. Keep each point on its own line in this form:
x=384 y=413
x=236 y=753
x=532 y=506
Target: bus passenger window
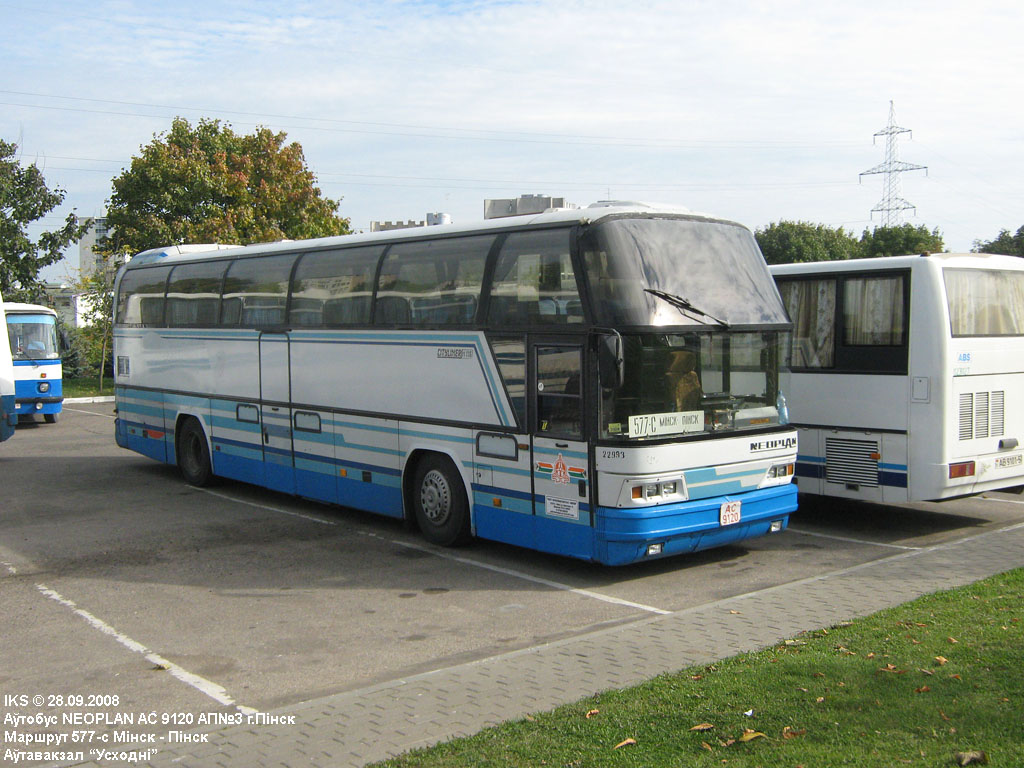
x=534 y=281
x=559 y=391
x=140 y=300
x=433 y=282
x=256 y=290
x=193 y=294
x=812 y=308
x=332 y=288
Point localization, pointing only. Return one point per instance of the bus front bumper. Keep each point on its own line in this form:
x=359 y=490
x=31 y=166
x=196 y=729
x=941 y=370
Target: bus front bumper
x=630 y=535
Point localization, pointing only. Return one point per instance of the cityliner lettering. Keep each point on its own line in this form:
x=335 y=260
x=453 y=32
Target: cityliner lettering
x=772 y=445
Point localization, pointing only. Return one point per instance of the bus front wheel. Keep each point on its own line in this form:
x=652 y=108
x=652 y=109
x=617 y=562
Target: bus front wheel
x=439 y=498
x=193 y=454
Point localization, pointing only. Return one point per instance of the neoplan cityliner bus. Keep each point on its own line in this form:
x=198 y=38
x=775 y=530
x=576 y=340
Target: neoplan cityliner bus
x=8 y=416
x=907 y=379
x=38 y=374
x=597 y=383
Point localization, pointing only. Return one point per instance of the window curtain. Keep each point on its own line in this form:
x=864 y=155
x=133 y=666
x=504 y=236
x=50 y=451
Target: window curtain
x=873 y=310
x=812 y=308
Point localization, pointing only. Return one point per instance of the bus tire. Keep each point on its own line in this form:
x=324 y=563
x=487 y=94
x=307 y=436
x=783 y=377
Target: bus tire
x=193 y=454
x=439 y=499
x=50 y=418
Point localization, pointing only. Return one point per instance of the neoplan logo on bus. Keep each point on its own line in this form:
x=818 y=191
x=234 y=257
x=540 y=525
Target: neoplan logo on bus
x=772 y=445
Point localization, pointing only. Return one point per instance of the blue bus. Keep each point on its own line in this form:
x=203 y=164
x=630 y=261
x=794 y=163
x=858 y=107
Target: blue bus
x=32 y=333
x=8 y=418
x=598 y=383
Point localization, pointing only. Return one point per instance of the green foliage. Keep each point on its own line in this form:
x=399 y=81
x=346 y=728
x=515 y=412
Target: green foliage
x=209 y=184
x=1011 y=245
x=787 y=242
x=25 y=198
x=904 y=240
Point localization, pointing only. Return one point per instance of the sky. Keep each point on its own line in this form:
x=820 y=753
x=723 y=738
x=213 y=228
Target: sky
x=752 y=111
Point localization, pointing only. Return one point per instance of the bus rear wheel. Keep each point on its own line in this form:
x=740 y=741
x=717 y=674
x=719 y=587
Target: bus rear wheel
x=193 y=454
x=439 y=499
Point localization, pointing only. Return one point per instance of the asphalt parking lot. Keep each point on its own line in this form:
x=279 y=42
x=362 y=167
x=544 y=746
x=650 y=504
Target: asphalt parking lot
x=118 y=580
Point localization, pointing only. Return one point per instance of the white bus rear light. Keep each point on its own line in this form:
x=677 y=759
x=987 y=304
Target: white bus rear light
x=775 y=527
x=961 y=469
x=655 y=549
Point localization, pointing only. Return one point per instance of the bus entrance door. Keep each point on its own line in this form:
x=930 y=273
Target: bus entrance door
x=275 y=411
x=561 y=463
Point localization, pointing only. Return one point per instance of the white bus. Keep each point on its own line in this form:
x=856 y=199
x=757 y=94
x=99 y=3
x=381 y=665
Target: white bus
x=907 y=375
x=597 y=383
x=8 y=415
x=38 y=374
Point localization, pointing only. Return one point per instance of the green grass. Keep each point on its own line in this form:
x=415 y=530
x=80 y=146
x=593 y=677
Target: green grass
x=88 y=387
x=913 y=685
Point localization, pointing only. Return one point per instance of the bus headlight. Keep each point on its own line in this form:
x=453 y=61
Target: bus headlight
x=44 y=386
x=780 y=470
x=653 y=491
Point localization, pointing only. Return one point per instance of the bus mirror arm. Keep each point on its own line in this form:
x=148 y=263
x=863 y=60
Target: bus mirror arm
x=610 y=361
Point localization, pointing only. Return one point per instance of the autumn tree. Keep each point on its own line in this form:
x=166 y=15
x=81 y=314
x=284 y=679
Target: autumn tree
x=208 y=184
x=24 y=199
x=786 y=242
x=1006 y=243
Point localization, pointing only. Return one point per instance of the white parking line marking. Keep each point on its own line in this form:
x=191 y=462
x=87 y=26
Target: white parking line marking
x=852 y=541
x=91 y=413
x=1002 y=501
x=201 y=684
x=457 y=559
x=520 y=575
x=268 y=508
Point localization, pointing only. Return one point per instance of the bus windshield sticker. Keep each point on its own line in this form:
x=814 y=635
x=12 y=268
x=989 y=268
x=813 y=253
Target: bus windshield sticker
x=654 y=424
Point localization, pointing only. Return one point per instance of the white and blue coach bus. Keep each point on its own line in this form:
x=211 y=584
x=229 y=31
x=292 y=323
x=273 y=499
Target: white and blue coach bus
x=38 y=379
x=8 y=416
x=598 y=383
x=907 y=375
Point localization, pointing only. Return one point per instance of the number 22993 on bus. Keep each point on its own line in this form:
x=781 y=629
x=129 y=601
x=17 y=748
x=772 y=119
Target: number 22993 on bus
x=729 y=513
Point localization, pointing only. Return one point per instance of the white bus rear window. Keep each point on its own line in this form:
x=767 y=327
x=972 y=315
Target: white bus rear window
x=985 y=302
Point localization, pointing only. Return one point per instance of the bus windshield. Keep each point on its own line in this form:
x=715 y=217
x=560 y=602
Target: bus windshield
x=679 y=272
x=985 y=302
x=32 y=337
x=680 y=384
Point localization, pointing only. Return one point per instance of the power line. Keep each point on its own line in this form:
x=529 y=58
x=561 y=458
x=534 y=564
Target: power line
x=891 y=206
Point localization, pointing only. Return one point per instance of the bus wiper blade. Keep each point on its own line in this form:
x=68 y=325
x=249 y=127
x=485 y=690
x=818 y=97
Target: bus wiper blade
x=680 y=303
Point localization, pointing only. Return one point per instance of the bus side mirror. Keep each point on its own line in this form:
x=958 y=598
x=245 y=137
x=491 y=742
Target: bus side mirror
x=610 y=363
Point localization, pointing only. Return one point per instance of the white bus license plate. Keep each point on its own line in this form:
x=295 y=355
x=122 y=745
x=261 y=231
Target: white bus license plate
x=729 y=514
x=1009 y=461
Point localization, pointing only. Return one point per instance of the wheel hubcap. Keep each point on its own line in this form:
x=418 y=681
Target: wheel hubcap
x=436 y=497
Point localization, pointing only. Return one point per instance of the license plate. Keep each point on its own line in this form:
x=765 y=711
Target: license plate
x=1009 y=461
x=729 y=514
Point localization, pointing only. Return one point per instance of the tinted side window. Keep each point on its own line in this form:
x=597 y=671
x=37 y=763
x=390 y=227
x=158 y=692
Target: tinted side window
x=333 y=288
x=534 y=281
x=193 y=294
x=140 y=300
x=559 y=391
x=256 y=291
x=510 y=355
x=436 y=282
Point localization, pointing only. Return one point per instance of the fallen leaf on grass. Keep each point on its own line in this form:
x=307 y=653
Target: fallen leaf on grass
x=944 y=716
x=819 y=700
x=749 y=735
x=791 y=733
x=924 y=671
x=702 y=727
x=735 y=613
x=940 y=660
x=625 y=743
x=969 y=758
x=952 y=640
x=705 y=745
x=922 y=689
x=593 y=712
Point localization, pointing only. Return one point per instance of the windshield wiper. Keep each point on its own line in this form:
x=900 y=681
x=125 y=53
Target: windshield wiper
x=685 y=306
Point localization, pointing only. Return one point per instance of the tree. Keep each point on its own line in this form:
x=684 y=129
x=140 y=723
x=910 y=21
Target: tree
x=209 y=184
x=1011 y=245
x=96 y=295
x=25 y=198
x=786 y=242
x=903 y=240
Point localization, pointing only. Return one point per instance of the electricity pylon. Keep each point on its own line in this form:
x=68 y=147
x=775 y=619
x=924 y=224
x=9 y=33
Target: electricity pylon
x=891 y=206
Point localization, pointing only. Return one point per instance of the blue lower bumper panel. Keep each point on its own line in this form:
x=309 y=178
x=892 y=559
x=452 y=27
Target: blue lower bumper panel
x=624 y=535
